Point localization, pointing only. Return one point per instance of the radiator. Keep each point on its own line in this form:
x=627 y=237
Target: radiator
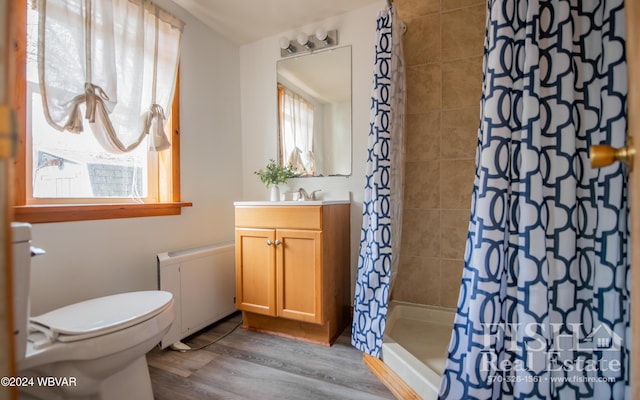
x=202 y=281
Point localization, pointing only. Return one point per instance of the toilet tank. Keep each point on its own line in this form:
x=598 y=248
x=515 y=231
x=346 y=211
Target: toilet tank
x=21 y=251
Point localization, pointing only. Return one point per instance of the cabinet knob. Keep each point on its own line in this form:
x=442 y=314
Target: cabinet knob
x=278 y=242
x=269 y=242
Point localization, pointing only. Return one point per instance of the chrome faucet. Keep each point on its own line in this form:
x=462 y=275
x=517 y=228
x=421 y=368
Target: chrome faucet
x=304 y=196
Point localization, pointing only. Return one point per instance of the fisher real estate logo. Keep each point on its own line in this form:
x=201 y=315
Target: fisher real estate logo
x=553 y=347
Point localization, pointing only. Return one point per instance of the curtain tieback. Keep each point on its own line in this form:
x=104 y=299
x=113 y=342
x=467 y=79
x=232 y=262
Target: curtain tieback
x=159 y=140
x=92 y=95
x=155 y=112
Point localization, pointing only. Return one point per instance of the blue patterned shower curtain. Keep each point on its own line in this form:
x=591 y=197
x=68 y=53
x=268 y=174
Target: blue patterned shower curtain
x=383 y=191
x=543 y=310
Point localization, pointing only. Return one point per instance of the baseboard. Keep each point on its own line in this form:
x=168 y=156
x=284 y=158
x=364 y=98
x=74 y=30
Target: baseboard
x=390 y=379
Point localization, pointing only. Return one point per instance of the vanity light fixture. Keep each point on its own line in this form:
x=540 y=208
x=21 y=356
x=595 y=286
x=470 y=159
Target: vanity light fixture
x=304 y=43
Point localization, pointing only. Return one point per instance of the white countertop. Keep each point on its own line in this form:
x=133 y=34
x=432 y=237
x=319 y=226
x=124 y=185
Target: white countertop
x=290 y=203
x=327 y=199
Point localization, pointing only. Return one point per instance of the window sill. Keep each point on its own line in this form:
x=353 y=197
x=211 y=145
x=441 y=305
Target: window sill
x=37 y=214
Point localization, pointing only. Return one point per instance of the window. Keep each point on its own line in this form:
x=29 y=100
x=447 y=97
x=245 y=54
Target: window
x=296 y=131
x=66 y=177
x=74 y=167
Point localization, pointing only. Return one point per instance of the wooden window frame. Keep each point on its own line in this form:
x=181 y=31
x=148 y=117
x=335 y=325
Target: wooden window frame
x=76 y=212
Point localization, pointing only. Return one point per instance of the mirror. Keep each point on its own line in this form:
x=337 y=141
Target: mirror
x=314 y=112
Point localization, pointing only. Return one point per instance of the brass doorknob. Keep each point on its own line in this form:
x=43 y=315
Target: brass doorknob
x=603 y=155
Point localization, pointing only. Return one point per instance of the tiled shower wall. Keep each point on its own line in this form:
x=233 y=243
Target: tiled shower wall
x=443 y=52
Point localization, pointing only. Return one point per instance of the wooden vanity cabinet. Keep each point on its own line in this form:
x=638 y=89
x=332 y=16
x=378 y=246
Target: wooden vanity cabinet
x=292 y=269
x=280 y=273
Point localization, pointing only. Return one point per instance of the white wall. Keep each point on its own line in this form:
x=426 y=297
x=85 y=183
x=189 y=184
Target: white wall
x=337 y=116
x=259 y=110
x=94 y=258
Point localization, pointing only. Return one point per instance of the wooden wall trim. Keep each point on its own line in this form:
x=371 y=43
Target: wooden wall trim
x=632 y=12
x=175 y=141
x=15 y=25
x=67 y=213
x=390 y=379
x=18 y=94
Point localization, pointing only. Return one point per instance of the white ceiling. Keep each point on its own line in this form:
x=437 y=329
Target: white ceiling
x=245 y=21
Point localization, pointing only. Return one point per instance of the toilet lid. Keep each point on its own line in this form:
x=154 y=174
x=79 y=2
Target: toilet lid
x=103 y=315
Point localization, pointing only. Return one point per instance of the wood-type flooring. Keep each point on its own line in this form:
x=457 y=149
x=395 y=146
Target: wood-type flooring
x=259 y=366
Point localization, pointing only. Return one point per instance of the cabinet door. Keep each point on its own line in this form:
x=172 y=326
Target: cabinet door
x=299 y=274
x=255 y=271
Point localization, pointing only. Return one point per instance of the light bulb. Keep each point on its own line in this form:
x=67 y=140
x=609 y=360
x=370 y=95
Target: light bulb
x=284 y=43
x=321 y=34
x=303 y=39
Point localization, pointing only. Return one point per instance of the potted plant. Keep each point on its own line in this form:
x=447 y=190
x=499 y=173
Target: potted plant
x=274 y=174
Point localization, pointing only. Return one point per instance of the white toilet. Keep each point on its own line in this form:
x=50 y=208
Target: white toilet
x=96 y=349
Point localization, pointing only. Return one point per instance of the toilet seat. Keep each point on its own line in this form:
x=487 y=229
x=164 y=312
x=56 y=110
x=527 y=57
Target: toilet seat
x=100 y=316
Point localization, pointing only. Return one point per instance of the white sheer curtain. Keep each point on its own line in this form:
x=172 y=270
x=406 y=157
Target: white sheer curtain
x=102 y=58
x=297 y=133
